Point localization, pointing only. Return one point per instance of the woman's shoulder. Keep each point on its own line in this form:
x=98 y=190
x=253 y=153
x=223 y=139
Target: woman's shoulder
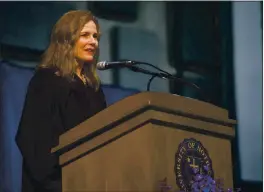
x=47 y=78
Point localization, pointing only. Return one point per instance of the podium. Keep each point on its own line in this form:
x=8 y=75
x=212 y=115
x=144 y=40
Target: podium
x=135 y=143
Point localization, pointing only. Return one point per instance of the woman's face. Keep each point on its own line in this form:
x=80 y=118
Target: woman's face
x=87 y=44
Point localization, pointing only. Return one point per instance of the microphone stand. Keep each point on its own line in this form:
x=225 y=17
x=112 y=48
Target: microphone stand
x=166 y=76
x=153 y=74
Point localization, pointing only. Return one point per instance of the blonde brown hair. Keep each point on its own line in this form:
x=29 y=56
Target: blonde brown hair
x=60 y=52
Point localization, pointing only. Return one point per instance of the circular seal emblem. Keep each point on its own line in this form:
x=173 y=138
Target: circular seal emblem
x=191 y=155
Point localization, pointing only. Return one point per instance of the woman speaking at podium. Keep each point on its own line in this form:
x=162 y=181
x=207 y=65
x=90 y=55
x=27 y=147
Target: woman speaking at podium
x=64 y=91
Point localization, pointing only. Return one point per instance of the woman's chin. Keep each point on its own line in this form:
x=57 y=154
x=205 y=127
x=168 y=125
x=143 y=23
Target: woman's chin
x=88 y=59
x=85 y=59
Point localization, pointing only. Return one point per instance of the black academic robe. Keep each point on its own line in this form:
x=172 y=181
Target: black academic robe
x=52 y=106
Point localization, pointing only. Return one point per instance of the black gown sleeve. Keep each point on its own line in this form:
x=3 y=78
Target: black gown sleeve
x=37 y=132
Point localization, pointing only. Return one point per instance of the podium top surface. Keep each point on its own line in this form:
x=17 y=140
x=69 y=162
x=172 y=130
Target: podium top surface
x=144 y=101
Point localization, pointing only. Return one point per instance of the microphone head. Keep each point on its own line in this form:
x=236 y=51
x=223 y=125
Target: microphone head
x=101 y=65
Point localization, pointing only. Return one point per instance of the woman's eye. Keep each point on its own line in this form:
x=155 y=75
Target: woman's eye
x=86 y=35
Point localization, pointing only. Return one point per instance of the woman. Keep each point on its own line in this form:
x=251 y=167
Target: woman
x=64 y=92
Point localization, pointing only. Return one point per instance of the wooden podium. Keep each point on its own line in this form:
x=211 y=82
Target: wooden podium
x=131 y=145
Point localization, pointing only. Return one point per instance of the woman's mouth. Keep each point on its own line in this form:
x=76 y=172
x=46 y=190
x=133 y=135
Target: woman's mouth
x=90 y=50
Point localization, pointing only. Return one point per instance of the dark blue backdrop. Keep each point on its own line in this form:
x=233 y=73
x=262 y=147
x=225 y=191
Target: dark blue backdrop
x=13 y=86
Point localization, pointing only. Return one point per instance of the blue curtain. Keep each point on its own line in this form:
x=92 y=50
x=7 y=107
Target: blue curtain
x=13 y=86
x=14 y=81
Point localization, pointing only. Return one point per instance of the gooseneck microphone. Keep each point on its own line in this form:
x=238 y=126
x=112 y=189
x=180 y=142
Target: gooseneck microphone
x=132 y=65
x=103 y=65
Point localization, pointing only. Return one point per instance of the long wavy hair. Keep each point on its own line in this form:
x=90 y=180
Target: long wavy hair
x=60 y=52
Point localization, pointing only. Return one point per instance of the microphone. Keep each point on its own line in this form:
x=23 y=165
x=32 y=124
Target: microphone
x=162 y=74
x=103 y=65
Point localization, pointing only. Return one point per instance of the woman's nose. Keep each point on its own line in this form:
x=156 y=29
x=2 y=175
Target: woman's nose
x=92 y=40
